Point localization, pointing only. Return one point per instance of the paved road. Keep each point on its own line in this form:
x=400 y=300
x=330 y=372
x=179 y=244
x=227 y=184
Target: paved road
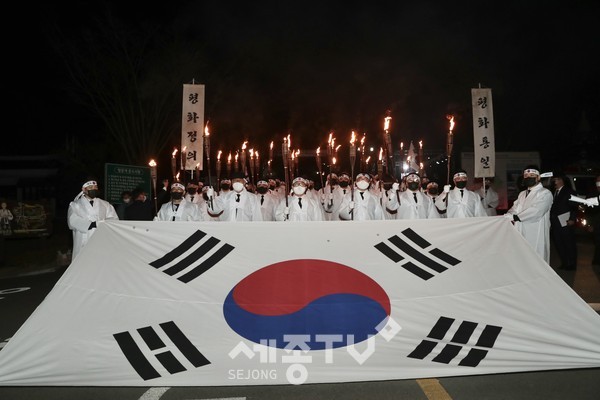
x=20 y=295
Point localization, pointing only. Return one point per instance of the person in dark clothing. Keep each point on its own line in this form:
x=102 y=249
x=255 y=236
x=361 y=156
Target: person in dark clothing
x=593 y=217
x=141 y=209
x=563 y=215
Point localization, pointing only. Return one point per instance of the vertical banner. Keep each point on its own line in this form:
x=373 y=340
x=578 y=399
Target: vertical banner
x=483 y=133
x=192 y=127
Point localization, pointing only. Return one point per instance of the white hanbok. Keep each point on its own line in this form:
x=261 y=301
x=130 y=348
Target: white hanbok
x=460 y=205
x=82 y=213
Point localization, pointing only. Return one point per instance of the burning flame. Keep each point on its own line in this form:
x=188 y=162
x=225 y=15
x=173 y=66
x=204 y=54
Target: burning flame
x=353 y=138
x=271 y=146
x=330 y=139
x=236 y=157
x=420 y=144
x=251 y=153
x=152 y=163
x=229 y=158
x=338 y=147
x=219 y=155
x=451 y=119
x=318 y=151
x=386 y=123
x=367 y=160
x=174 y=152
x=177 y=177
x=297 y=152
x=206 y=132
x=381 y=153
x=333 y=160
x=289 y=140
x=256 y=154
x=244 y=145
x=362 y=141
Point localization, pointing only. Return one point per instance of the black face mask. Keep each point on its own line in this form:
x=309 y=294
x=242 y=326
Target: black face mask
x=262 y=190
x=424 y=186
x=272 y=187
x=205 y=196
x=344 y=184
x=461 y=184
x=225 y=186
x=433 y=192
x=529 y=182
x=92 y=193
x=387 y=186
x=413 y=186
x=176 y=195
x=191 y=191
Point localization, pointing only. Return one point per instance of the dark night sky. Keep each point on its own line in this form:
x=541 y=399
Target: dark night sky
x=315 y=66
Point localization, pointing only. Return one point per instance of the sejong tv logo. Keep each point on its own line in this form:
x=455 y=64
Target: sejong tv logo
x=304 y=305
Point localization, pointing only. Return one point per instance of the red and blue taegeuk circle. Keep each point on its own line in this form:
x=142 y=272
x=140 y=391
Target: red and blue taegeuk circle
x=306 y=297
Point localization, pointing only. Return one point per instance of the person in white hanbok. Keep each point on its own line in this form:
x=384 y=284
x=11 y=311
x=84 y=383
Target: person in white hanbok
x=299 y=206
x=489 y=197
x=178 y=208
x=267 y=199
x=238 y=205
x=412 y=203
x=362 y=205
x=84 y=214
x=460 y=202
x=530 y=212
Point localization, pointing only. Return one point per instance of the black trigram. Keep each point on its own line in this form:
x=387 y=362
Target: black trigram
x=424 y=262
x=195 y=255
x=154 y=344
x=486 y=341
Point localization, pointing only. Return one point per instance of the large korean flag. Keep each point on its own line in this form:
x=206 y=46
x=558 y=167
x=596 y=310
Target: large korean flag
x=203 y=304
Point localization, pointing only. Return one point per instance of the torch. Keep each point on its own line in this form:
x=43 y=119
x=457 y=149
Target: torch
x=243 y=159
x=450 y=143
x=252 y=166
x=183 y=161
x=297 y=162
x=270 y=158
x=207 y=151
x=153 y=174
x=388 y=141
x=421 y=156
x=320 y=167
x=235 y=163
x=257 y=164
x=174 y=164
x=229 y=165
x=285 y=155
x=219 y=171
x=352 y=161
x=380 y=174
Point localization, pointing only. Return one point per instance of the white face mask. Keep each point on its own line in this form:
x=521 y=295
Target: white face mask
x=362 y=185
x=299 y=190
x=598 y=184
x=238 y=186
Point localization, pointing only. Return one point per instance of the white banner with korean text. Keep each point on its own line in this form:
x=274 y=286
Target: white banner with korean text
x=483 y=133
x=192 y=127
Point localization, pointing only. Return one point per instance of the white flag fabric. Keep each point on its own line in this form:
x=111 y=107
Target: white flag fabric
x=219 y=304
x=483 y=133
x=192 y=127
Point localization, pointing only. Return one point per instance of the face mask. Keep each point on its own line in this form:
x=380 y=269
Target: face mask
x=413 y=186
x=191 y=191
x=387 y=186
x=461 y=184
x=598 y=184
x=344 y=184
x=126 y=201
x=92 y=193
x=205 y=196
x=362 y=185
x=433 y=192
x=424 y=186
x=144 y=198
x=176 y=195
x=299 y=190
x=262 y=190
x=529 y=182
x=311 y=187
x=272 y=187
x=225 y=186
x=238 y=186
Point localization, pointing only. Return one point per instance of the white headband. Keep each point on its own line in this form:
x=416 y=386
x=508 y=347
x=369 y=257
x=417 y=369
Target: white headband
x=460 y=175
x=178 y=185
x=89 y=183
x=531 y=171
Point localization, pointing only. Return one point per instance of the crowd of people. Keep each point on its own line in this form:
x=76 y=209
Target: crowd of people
x=538 y=214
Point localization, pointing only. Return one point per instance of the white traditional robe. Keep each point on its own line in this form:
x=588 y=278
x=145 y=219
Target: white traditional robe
x=81 y=214
x=533 y=210
x=407 y=208
x=185 y=212
x=230 y=210
x=311 y=209
x=365 y=209
x=489 y=200
x=457 y=206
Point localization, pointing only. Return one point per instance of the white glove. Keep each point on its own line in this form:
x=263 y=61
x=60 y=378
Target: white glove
x=210 y=192
x=286 y=211
x=351 y=205
x=395 y=186
x=446 y=188
x=592 y=202
x=508 y=216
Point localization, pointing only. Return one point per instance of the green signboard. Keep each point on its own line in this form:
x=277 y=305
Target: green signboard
x=120 y=178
